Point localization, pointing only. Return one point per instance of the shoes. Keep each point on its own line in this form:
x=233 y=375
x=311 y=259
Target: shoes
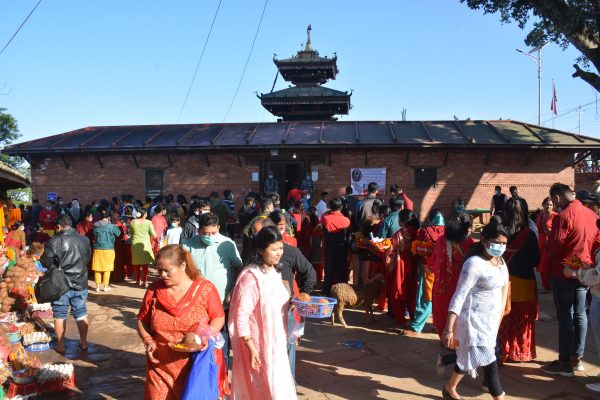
x=409 y=332
x=107 y=288
x=447 y=396
x=577 y=364
x=97 y=288
x=146 y=284
x=559 y=368
x=439 y=365
x=593 y=387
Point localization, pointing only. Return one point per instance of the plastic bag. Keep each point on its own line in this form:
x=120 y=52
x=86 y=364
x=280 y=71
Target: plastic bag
x=203 y=381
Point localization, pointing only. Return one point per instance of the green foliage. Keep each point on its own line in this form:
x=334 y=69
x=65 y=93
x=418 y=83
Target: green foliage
x=9 y=132
x=574 y=22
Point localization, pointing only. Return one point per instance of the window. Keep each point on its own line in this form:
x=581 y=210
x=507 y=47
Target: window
x=154 y=182
x=425 y=177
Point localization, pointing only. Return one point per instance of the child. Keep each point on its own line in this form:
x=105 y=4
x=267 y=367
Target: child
x=174 y=231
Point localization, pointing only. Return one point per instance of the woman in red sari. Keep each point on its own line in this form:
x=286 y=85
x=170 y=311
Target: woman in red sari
x=446 y=264
x=516 y=337
x=400 y=267
x=544 y=221
x=181 y=302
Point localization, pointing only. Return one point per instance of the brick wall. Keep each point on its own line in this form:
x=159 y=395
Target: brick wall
x=470 y=174
x=587 y=180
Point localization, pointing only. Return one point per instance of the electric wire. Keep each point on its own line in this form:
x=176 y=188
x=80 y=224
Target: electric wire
x=247 y=60
x=21 y=26
x=187 y=95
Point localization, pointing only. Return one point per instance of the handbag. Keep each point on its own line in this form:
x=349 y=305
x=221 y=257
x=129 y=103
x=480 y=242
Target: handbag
x=51 y=286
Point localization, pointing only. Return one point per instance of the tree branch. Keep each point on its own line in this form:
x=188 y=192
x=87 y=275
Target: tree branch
x=590 y=77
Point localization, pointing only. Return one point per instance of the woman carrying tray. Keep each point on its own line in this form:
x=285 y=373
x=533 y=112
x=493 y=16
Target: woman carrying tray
x=179 y=303
x=257 y=326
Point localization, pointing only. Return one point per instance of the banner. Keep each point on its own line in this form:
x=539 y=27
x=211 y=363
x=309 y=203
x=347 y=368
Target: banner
x=361 y=177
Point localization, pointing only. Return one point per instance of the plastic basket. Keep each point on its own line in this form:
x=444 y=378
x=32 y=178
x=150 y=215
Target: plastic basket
x=57 y=385
x=315 y=309
x=35 y=347
x=26 y=391
x=14 y=337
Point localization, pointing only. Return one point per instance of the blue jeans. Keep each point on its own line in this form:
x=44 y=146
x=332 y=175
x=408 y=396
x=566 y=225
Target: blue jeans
x=569 y=300
x=73 y=298
x=595 y=321
x=291 y=347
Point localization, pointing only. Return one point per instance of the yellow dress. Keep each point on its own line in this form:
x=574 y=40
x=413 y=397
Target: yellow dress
x=2 y=223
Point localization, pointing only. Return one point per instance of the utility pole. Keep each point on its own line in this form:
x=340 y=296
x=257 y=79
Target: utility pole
x=538 y=61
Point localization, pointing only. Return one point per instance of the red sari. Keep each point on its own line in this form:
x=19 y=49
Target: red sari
x=169 y=321
x=399 y=275
x=544 y=226
x=446 y=269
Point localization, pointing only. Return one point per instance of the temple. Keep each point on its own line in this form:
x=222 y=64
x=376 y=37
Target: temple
x=307 y=100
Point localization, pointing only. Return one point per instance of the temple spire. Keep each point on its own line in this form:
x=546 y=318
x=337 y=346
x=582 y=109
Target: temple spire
x=308 y=46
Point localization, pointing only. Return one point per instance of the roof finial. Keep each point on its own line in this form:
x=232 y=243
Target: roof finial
x=308 y=47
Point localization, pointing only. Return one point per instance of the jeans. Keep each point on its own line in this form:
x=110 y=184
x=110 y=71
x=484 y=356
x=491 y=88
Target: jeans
x=73 y=298
x=225 y=334
x=595 y=321
x=291 y=347
x=569 y=300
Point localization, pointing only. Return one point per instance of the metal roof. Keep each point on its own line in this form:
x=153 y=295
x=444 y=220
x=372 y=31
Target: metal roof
x=305 y=91
x=328 y=134
x=11 y=179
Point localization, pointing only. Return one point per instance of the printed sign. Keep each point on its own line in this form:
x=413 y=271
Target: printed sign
x=51 y=196
x=361 y=177
x=255 y=177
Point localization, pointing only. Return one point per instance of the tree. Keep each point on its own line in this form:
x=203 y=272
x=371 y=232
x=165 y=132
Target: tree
x=9 y=132
x=575 y=22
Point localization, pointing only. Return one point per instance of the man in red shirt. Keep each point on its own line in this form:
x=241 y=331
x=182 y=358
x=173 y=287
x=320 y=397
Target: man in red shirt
x=48 y=219
x=573 y=235
x=294 y=194
x=335 y=228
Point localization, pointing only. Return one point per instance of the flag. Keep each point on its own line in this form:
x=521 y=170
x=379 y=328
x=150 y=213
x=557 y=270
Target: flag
x=553 y=103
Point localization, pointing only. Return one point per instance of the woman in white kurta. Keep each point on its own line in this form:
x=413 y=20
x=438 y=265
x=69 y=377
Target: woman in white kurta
x=257 y=326
x=477 y=308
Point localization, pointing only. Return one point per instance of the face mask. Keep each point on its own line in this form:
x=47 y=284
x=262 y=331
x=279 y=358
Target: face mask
x=48 y=208
x=270 y=176
x=308 y=197
x=173 y=225
x=207 y=239
x=61 y=202
x=204 y=211
x=495 y=249
x=196 y=212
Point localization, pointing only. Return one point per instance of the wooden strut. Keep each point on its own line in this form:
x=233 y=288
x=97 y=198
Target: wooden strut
x=99 y=161
x=207 y=160
x=407 y=156
x=135 y=160
x=392 y=132
x=239 y=159
x=169 y=160
x=287 y=133
x=252 y=134
x=446 y=158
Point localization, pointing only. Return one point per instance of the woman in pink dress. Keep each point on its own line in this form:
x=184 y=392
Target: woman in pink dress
x=257 y=326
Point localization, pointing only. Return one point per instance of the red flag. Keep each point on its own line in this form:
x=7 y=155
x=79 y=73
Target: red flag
x=553 y=103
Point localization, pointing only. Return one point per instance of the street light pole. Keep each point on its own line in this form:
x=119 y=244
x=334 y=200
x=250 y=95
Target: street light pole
x=538 y=61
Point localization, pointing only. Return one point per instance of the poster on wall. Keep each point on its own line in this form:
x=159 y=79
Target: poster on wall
x=361 y=177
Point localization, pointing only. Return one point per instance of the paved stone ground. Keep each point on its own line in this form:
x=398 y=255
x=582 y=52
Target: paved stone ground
x=389 y=366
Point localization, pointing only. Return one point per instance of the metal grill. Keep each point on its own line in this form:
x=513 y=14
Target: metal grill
x=154 y=180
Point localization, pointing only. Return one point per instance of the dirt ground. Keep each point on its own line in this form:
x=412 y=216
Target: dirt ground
x=389 y=366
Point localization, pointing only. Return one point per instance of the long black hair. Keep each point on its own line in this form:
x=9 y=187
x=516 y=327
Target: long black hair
x=409 y=218
x=457 y=229
x=265 y=237
x=493 y=230
x=517 y=215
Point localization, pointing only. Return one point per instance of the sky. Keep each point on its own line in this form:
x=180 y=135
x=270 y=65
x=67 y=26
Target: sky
x=113 y=62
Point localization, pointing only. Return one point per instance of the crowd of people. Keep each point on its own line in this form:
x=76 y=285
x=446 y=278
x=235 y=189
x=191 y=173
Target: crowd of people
x=227 y=274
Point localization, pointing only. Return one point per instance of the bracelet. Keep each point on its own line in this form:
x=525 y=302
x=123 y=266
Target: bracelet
x=147 y=340
x=445 y=332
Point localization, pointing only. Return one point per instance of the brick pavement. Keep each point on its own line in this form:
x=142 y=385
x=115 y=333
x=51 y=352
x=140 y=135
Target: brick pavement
x=389 y=367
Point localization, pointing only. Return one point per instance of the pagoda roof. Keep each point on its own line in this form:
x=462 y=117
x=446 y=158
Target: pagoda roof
x=306 y=57
x=469 y=134
x=303 y=92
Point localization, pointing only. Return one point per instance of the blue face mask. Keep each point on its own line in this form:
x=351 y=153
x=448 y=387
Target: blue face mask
x=496 y=249
x=207 y=239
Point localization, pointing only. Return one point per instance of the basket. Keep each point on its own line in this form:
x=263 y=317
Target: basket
x=57 y=385
x=25 y=391
x=14 y=337
x=315 y=309
x=22 y=380
x=35 y=347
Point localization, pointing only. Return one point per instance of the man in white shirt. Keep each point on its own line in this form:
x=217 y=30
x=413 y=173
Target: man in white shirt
x=322 y=204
